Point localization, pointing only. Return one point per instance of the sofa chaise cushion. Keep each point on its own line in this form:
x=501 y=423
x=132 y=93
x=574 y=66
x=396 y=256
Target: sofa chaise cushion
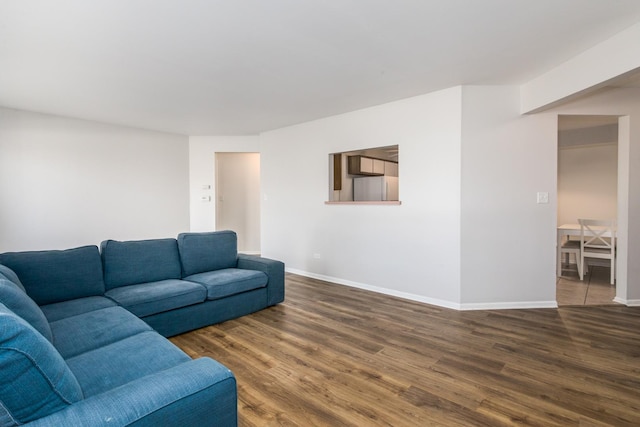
x=150 y=298
x=58 y=275
x=141 y=261
x=123 y=361
x=200 y=252
x=229 y=281
x=85 y=332
x=35 y=381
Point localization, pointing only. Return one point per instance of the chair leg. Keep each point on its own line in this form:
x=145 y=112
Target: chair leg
x=613 y=275
x=579 y=265
x=581 y=268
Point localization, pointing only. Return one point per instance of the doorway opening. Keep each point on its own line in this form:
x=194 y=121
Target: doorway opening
x=238 y=198
x=587 y=189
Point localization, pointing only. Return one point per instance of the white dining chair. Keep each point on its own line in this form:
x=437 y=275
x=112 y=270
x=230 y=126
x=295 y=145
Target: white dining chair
x=571 y=247
x=598 y=240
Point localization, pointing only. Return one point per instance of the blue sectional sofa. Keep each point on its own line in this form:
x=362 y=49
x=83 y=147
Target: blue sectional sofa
x=81 y=330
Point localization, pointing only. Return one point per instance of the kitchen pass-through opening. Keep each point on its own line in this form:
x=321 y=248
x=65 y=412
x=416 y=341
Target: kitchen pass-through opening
x=367 y=175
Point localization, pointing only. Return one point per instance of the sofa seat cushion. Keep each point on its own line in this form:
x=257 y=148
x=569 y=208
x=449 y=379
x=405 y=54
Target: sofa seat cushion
x=229 y=281
x=16 y=300
x=61 y=310
x=155 y=297
x=123 y=361
x=139 y=261
x=85 y=332
x=54 y=276
x=35 y=381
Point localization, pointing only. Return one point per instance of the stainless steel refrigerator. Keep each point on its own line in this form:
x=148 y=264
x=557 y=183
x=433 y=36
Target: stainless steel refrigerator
x=375 y=188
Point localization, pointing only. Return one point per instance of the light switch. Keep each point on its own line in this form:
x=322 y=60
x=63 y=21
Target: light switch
x=205 y=199
x=206 y=187
x=543 y=197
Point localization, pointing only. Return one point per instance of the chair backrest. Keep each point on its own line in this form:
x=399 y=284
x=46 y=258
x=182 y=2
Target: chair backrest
x=598 y=233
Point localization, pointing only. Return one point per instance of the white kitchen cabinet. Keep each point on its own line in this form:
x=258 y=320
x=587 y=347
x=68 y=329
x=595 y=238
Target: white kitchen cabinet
x=363 y=165
x=390 y=169
x=378 y=166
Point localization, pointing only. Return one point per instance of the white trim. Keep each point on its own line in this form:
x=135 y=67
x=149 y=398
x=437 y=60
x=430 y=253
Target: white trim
x=385 y=291
x=426 y=300
x=583 y=146
x=620 y=300
x=627 y=302
x=509 y=305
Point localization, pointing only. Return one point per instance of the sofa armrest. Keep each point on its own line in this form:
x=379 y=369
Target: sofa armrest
x=201 y=392
x=273 y=269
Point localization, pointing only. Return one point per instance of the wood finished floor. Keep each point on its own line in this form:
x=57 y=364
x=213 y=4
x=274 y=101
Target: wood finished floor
x=337 y=356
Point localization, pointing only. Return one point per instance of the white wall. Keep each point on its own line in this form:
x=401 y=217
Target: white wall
x=587 y=182
x=469 y=233
x=202 y=153
x=67 y=182
x=413 y=249
x=508 y=240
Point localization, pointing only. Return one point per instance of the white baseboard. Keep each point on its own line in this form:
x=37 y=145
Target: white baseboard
x=426 y=300
x=385 y=291
x=628 y=302
x=509 y=305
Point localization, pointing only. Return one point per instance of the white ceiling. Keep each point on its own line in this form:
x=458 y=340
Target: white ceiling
x=214 y=67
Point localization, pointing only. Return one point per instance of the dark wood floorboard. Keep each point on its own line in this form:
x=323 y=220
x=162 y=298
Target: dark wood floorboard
x=332 y=355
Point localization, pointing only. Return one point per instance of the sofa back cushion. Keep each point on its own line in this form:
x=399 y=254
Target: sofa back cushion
x=55 y=276
x=16 y=300
x=200 y=252
x=9 y=274
x=34 y=379
x=142 y=261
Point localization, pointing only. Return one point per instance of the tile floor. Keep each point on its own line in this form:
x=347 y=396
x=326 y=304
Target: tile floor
x=593 y=290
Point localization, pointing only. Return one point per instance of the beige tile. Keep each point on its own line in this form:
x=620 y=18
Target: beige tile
x=571 y=291
x=600 y=295
x=600 y=291
x=593 y=290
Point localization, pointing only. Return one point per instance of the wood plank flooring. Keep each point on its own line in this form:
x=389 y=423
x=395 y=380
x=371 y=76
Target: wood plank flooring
x=331 y=355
